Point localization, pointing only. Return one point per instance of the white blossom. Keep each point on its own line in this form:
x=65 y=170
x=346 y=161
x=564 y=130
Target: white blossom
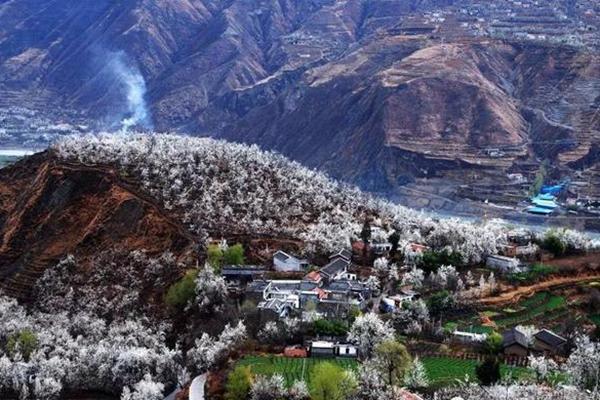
x=416 y=376
x=367 y=331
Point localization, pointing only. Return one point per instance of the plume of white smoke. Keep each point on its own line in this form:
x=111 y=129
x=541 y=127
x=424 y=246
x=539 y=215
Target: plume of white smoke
x=131 y=80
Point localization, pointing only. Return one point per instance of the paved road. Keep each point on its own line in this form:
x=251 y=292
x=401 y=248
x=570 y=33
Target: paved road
x=197 y=387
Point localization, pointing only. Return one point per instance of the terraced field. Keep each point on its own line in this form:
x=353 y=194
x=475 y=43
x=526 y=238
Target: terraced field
x=542 y=309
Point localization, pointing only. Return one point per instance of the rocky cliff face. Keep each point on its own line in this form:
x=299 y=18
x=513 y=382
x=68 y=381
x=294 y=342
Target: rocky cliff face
x=377 y=92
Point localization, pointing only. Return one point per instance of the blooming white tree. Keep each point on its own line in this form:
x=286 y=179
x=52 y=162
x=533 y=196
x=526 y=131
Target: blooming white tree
x=80 y=352
x=373 y=283
x=270 y=332
x=145 y=389
x=411 y=318
x=524 y=391
x=211 y=290
x=215 y=184
x=208 y=351
x=381 y=266
x=268 y=388
x=542 y=367
x=367 y=331
x=298 y=391
x=371 y=385
x=416 y=375
x=414 y=277
x=583 y=365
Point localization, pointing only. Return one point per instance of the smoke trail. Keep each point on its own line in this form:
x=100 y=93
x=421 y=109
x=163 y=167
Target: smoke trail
x=129 y=77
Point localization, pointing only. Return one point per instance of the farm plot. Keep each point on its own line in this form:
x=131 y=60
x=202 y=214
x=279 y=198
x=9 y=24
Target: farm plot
x=441 y=371
x=542 y=307
x=292 y=369
x=447 y=371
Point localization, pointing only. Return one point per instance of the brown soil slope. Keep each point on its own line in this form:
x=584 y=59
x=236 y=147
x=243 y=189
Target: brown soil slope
x=49 y=209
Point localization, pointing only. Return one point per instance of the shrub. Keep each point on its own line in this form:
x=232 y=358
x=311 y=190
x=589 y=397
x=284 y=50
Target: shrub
x=24 y=342
x=432 y=260
x=535 y=273
x=234 y=255
x=440 y=302
x=554 y=245
x=493 y=343
x=239 y=383
x=330 y=327
x=183 y=291
x=488 y=372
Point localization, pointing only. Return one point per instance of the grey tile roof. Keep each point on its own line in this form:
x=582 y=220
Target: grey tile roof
x=335 y=267
x=257 y=286
x=242 y=270
x=283 y=286
x=344 y=253
x=550 y=338
x=514 y=337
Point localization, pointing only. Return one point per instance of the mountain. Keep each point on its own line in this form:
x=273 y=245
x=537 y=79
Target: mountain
x=379 y=93
x=92 y=195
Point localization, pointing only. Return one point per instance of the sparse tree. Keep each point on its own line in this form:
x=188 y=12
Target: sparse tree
x=393 y=360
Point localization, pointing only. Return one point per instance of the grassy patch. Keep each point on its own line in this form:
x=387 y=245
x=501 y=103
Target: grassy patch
x=447 y=371
x=292 y=369
x=535 y=273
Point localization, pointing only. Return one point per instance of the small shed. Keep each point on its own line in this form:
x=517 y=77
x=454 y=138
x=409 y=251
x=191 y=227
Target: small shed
x=515 y=343
x=285 y=262
x=468 y=337
x=346 y=350
x=502 y=263
x=322 y=349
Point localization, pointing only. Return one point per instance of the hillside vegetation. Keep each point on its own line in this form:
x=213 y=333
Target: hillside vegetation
x=215 y=185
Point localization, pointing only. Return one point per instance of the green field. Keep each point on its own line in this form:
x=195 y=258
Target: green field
x=292 y=369
x=542 y=305
x=542 y=308
x=446 y=371
x=441 y=371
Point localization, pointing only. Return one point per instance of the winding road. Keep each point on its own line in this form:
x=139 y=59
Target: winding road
x=515 y=294
x=197 y=387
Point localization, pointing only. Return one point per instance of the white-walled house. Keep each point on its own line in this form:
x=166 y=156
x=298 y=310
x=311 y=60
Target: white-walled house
x=503 y=264
x=346 y=350
x=284 y=262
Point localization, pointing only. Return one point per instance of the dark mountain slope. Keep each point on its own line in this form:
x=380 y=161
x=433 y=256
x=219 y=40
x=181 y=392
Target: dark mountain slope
x=379 y=92
x=49 y=209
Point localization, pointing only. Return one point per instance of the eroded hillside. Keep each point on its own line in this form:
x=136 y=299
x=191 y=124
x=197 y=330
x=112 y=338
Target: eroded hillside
x=50 y=209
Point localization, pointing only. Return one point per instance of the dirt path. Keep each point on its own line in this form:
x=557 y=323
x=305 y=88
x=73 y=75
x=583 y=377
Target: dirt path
x=520 y=291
